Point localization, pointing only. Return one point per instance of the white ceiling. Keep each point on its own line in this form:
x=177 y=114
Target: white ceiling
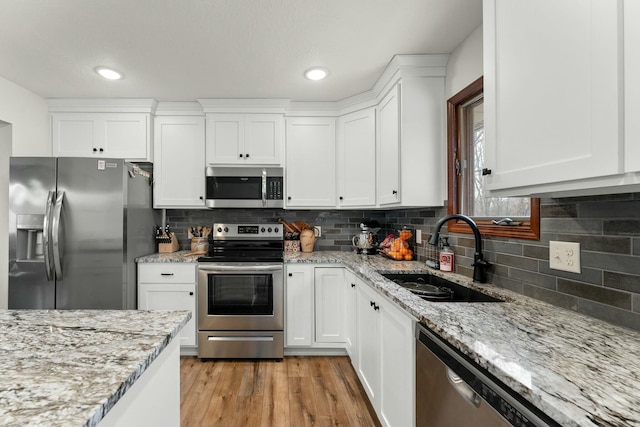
x=181 y=50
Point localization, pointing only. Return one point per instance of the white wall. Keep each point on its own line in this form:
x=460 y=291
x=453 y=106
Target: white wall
x=24 y=131
x=465 y=64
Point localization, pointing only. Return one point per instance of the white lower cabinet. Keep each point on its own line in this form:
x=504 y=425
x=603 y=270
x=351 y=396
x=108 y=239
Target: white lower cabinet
x=386 y=357
x=298 y=329
x=350 y=316
x=329 y=304
x=170 y=286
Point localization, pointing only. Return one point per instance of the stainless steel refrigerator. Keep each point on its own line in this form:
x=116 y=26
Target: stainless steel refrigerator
x=76 y=226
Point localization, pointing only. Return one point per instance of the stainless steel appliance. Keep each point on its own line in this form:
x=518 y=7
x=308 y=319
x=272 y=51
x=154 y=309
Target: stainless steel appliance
x=452 y=391
x=76 y=226
x=244 y=187
x=241 y=293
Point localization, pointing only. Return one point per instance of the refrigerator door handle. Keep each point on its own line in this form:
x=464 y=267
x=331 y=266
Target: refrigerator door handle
x=46 y=236
x=55 y=234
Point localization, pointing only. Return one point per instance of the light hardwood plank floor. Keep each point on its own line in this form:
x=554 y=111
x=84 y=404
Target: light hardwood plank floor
x=299 y=391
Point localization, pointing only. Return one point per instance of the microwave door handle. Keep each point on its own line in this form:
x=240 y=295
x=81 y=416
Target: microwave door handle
x=264 y=187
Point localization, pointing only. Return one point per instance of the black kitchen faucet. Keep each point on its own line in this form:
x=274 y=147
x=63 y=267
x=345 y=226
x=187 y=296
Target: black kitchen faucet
x=479 y=264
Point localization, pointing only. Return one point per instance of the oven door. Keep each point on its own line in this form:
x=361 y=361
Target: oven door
x=240 y=296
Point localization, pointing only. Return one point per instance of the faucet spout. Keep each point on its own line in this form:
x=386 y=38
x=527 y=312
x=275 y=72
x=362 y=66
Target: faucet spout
x=479 y=264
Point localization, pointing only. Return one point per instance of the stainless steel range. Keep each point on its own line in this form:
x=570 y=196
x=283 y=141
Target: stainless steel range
x=241 y=293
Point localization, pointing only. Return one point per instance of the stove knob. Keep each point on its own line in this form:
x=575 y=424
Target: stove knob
x=219 y=230
x=275 y=229
x=226 y=229
x=263 y=229
x=269 y=229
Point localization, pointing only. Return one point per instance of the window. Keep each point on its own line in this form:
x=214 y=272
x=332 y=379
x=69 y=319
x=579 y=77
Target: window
x=465 y=164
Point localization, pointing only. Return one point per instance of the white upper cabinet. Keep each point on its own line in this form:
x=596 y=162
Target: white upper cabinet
x=632 y=85
x=115 y=135
x=244 y=139
x=356 y=159
x=310 y=171
x=179 y=168
x=411 y=144
x=555 y=95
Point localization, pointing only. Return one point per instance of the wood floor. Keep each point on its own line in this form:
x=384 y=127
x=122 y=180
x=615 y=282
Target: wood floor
x=299 y=391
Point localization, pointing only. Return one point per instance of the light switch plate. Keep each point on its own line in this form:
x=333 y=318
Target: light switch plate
x=564 y=256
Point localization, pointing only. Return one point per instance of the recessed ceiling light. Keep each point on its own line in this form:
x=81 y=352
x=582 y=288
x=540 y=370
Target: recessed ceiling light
x=316 y=73
x=109 y=73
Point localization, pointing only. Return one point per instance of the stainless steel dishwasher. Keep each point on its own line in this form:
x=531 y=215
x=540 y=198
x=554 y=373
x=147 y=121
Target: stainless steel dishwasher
x=451 y=391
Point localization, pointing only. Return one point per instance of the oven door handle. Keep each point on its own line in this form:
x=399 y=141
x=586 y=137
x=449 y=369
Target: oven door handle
x=253 y=268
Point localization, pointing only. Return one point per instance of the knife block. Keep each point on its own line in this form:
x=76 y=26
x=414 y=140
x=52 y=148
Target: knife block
x=169 y=247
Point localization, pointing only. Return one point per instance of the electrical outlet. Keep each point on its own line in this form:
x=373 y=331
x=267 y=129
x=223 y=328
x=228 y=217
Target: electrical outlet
x=418 y=236
x=319 y=230
x=564 y=256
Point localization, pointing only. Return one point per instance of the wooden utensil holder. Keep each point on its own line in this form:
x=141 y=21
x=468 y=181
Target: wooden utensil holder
x=169 y=247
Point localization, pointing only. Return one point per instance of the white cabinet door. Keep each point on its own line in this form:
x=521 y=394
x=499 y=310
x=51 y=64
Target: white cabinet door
x=263 y=139
x=397 y=364
x=311 y=172
x=114 y=135
x=356 y=159
x=368 y=326
x=388 y=162
x=179 y=168
x=632 y=85
x=171 y=297
x=351 y=282
x=552 y=94
x=329 y=304
x=298 y=328
x=244 y=139
x=225 y=138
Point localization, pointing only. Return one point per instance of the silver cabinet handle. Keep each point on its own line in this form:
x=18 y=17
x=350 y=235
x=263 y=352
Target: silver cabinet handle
x=56 y=239
x=46 y=236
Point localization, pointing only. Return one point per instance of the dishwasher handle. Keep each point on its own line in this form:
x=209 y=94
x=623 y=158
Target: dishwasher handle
x=463 y=389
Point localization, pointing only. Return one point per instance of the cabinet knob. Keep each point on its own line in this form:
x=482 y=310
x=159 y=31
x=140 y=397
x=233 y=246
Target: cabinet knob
x=376 y=307
x=101 y=150
x=353 y=285
x=240 y=155
x=246 y=155
x=394 y=192
x=340 y=197
x=290 y=274
x=486 y=171
x=201 y=197
x=95 y=150
x=190 y=293
x=372 y=303
x=288 y=197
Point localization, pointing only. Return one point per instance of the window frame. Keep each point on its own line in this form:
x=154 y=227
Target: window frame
x=530 y=229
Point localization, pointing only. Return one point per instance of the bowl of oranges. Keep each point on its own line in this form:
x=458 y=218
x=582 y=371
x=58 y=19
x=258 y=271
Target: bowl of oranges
x=398 y=248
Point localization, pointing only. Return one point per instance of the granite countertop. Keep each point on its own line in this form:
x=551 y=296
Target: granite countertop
x=178 y=256
x=70 y=367
x=578 y=370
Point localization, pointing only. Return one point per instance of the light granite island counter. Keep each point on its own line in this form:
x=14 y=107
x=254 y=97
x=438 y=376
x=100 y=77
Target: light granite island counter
x=90 y=367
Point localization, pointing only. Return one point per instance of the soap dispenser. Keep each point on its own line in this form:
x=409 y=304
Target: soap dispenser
x=446 y=256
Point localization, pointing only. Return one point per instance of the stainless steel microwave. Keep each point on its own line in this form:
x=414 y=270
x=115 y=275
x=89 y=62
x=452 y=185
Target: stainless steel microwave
x=244 y=187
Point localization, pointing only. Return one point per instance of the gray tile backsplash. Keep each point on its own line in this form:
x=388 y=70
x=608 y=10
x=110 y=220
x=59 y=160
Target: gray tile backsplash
x=607 y=228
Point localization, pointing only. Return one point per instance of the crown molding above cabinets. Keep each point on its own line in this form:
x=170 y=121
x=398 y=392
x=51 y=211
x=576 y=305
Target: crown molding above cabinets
x=244 y=106
x=102 y=105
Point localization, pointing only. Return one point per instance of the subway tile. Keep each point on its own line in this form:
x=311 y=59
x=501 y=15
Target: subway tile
x=617 y=245
x=609 y=314
x=620 y=263
x=624 y=282
x=625 y=227
x=595 y=293
x=565 y=210
x=506 y=283
x=538 y=252
x=636 y=246
x=517 y=261
x=636 y=303
x=571 y=225
x=556 y=298
x=610 y=209
x=533 y=278
x=503 y=247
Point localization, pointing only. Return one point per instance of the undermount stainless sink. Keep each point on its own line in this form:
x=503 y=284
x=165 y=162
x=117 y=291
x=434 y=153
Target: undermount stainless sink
x=434 y=288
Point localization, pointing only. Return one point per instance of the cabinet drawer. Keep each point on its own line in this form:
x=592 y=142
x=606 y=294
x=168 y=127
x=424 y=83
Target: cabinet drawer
x=168 y=272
